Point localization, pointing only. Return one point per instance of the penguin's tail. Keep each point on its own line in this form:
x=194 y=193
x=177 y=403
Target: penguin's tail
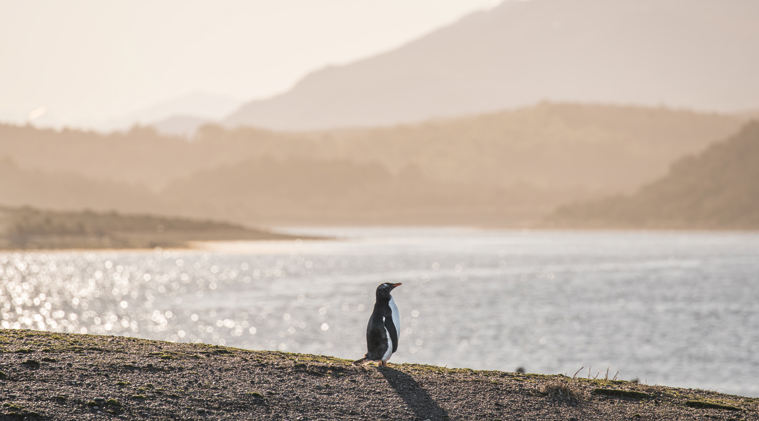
x=362 y=361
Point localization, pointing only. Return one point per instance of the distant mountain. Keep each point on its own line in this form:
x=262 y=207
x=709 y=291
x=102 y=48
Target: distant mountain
x=67 y=191
x=502 y=168
x=138 y=156
x=567 y=148
x=748 y=114
x=338 y=192
x=698 y=54
x=197 y=105
x=717 y=189
x=184 y=126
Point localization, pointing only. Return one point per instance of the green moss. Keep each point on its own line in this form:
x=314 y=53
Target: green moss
x=139 y=397
x=537 y=376
x=423 y=368
x=13 y=406
x=122 y=383
x=602 y=382
x=711 y=405
x=307 y=358
x=619 y=393
x=49 y=360
x=255 y=394
x=92 y=403
x=113 y=402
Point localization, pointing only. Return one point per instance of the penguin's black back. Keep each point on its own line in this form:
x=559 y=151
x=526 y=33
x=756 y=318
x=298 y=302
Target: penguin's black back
x=383 y=328
x=378 y=329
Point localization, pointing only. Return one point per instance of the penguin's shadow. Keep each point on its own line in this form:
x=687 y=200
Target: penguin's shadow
x=414 y=395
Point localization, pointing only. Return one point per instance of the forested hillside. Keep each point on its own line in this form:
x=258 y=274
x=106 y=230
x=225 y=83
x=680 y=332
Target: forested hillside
x=716 y=189
x=509 y=168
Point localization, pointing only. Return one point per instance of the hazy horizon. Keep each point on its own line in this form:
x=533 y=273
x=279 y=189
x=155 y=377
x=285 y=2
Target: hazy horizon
x=292 y=65
x=489 y=112
x=88 y=64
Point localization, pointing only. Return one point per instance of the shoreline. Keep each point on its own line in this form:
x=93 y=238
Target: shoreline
x=52 y=376
x=24 y=229
x=279 y=237
x=196 y=246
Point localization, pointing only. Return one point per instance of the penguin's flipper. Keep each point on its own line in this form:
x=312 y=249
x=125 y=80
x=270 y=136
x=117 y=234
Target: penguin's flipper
x=376 y=340
x=390 y=326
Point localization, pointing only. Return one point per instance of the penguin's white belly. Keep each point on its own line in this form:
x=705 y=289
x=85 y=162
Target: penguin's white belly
x=389 y=351
x=396 y=317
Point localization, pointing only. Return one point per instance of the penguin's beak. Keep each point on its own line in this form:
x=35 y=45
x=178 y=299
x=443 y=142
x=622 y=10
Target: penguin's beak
x=397 y=285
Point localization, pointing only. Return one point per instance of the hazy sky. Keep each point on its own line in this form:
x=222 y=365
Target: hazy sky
x=86 y=61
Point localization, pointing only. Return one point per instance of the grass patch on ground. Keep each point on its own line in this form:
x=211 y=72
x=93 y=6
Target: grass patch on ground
x=711 y=405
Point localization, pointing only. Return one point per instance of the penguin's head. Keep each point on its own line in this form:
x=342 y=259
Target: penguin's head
x=383 y=290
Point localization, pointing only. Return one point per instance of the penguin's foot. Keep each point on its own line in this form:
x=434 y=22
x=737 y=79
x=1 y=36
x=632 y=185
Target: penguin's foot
x=362 y=361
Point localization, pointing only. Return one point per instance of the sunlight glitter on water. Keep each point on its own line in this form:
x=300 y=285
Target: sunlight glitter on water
x=193 y=297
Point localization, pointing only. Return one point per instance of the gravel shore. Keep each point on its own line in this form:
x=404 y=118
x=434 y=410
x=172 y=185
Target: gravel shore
x=57 y=376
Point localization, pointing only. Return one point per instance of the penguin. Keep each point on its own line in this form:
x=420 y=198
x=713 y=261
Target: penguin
x=383 y=328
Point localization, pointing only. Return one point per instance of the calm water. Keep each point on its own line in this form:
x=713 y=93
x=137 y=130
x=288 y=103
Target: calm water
x=679 y=309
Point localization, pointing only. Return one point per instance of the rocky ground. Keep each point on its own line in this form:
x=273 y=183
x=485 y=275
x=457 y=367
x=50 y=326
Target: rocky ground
x=55 y=376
